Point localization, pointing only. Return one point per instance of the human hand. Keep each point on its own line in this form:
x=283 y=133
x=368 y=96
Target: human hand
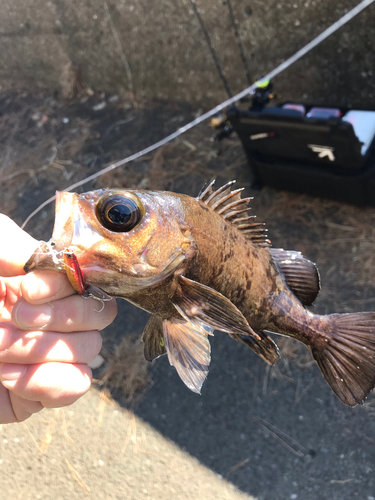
x=48 y=333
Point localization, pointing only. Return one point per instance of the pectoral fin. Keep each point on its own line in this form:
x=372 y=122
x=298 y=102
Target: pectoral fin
x=153 y=338
x=188 y=351
x=202 y=303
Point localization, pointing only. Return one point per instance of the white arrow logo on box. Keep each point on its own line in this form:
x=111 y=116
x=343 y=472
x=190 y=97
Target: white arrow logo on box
x=323 y=151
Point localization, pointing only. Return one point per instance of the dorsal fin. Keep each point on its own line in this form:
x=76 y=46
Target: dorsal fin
x=235 y=210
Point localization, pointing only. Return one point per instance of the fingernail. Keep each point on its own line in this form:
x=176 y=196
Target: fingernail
x=5 y=339
x=39 y=287
x=11 y=372
x=27 y=316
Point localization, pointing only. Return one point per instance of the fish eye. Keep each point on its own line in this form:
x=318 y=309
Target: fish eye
x=118 y=212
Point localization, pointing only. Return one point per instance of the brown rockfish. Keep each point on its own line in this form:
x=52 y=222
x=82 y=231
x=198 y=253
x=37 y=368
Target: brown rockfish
x=200 y=264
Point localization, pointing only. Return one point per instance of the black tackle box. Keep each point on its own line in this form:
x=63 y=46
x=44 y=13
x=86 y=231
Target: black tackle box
x=321 y=151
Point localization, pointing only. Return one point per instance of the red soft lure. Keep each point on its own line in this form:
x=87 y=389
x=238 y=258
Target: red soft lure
x=73 y=272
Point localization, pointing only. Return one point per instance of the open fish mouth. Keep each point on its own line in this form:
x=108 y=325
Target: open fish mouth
x=63 y=229
x=49 y=255
x=46 y=258
x=70 y=231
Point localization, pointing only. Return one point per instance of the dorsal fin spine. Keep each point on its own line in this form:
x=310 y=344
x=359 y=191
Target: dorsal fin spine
x=206 y=190
x=230 y=215
x=243 y=219
x=226 y=198
x=235 y=211
x=219 y=191
x=255 y=226
x=235 y=203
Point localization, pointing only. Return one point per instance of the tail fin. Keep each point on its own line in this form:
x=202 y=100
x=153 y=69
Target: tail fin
x=347 y=360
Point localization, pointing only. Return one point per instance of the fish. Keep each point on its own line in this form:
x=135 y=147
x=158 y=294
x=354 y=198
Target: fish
x=203 y=264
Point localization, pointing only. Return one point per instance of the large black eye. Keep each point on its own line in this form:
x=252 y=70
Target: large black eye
x=119 y=213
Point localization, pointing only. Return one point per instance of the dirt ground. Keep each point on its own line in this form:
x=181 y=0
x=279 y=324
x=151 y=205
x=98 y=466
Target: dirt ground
x=256 y=432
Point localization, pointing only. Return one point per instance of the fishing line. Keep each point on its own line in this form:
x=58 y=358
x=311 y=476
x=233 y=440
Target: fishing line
x=239 y=42
x=282 y=67
x=212 y=49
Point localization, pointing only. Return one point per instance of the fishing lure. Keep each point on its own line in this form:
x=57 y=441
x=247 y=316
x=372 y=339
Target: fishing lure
x=77 y=280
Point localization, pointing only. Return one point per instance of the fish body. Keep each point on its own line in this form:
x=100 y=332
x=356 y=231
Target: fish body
x=199 y=264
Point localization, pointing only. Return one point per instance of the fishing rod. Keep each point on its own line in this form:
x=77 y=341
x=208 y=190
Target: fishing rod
x=239 y=42
x=212 y=49
x=279 y=69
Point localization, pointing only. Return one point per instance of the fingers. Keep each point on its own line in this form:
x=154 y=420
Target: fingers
x=10 y=291
x=41 y=347
x=23 y=408
x=5 y=336
x=71 y=314
x=52 y=384
x=13 y=408
x=16 y=247
x=7 y=414
x=43 y=286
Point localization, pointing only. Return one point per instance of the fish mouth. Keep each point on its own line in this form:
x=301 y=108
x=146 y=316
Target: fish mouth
x=45 y=258
x=63 y=229
x=70 y=231
x=49 y=255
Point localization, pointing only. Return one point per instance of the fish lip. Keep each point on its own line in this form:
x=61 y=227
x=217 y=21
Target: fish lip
x=46 y=258
x=49 y=255
x=63 y=228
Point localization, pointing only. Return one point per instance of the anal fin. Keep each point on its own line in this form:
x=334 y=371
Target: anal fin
x=265 y=348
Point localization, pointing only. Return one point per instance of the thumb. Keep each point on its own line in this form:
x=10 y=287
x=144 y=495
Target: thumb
x=16 y=246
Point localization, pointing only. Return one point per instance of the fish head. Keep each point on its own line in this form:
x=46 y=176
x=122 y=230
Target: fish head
x=124 y=240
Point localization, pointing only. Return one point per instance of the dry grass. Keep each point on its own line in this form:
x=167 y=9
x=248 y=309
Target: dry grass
x=126 y=372
x=332 y=228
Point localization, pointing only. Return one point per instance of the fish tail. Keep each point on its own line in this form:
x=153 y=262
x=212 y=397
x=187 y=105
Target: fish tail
x=345 y=353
